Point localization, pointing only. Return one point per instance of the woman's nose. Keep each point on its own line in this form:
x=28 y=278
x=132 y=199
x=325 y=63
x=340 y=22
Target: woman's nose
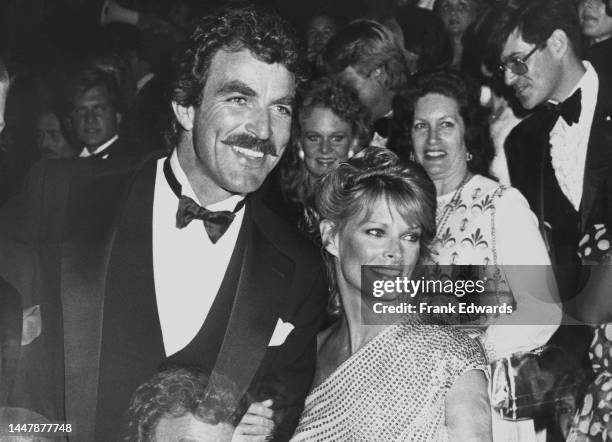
x=326 y=146
x=393 y=251
x=432 y=136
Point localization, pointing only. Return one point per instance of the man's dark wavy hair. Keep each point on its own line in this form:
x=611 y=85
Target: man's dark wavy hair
x=458 y=86
x=177 y=392
x=268 y=37
x=536 y=20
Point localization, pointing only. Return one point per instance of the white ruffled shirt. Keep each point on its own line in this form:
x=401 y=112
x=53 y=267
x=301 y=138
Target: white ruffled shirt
x=569 y=143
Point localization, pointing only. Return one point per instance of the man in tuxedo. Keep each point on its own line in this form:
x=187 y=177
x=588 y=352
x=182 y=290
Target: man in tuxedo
x=558 y=156
x=131 y=272
x=94 y=113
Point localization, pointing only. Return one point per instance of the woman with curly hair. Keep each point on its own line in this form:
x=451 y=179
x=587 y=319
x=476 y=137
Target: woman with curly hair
x=479 y=222
x=329 y=126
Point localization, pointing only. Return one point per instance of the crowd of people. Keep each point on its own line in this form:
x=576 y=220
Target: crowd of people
x=193 y=214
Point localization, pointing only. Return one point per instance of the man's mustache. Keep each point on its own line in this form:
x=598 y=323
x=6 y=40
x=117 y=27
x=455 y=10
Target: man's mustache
x=249 y=142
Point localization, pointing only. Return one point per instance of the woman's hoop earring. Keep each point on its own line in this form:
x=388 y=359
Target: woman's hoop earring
x=411 y=156
x=468 y=157
x=301 y=154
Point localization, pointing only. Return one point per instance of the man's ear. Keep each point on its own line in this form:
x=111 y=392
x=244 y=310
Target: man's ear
x=184 y=115
x=558 y=42
x=329 y=236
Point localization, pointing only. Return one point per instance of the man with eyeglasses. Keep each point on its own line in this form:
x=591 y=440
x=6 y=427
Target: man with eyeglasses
x=558 y=156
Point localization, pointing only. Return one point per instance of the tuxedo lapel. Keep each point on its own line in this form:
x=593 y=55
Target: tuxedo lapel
x=264 y=281
x=599 y=151
x=132 y=343
x=527 y=148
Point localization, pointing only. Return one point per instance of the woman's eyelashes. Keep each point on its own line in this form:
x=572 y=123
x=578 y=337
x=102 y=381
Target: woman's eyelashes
x=412 y=236
x=445 y=124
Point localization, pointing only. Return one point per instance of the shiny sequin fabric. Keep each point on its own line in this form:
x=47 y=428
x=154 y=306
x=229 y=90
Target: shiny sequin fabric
x=392 y=389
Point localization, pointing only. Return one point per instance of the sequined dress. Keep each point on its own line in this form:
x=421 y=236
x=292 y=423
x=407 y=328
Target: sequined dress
x=392 y=389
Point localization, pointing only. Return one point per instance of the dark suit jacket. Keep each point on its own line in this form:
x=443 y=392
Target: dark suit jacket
x=76 y=223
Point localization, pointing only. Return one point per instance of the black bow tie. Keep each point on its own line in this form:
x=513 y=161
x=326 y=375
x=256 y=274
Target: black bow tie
x=570 y=109
x=215 y=223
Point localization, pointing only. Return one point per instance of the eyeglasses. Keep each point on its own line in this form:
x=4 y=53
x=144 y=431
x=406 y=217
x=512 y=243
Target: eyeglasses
x=518 y=65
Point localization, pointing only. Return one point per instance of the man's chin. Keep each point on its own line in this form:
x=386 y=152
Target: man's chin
x=245 y=186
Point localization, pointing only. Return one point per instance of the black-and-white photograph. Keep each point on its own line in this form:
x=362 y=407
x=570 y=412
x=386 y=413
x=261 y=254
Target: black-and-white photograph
x=306 y=220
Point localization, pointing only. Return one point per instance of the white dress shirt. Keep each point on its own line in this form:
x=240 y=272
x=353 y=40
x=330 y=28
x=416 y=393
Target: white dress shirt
x=188 y=268
x=569 y=143
x=85 y=153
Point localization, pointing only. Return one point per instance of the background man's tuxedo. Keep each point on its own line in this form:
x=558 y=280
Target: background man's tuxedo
x=81 y=237
x=529 y=164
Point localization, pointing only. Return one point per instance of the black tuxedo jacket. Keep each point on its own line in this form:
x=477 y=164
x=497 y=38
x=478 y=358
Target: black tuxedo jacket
x=77 y=241
x=528 y=146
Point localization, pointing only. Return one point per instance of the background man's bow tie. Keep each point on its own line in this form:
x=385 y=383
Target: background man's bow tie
x=569 y=109
x=215 y=223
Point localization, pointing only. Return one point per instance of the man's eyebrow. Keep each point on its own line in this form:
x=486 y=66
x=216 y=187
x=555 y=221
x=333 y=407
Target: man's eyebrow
x=236 y=86
x=513 y=55
x=287 y=100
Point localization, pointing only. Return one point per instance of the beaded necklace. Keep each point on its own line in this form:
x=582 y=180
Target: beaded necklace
x=450 y=206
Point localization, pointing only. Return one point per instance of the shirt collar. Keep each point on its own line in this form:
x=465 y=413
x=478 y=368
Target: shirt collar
x=144 y=80
x=187 y=190
x=85 y=152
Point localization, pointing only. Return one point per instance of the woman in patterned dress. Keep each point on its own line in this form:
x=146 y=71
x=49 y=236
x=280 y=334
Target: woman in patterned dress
x=382 y=378
x=593 y=421
x=480 y=222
